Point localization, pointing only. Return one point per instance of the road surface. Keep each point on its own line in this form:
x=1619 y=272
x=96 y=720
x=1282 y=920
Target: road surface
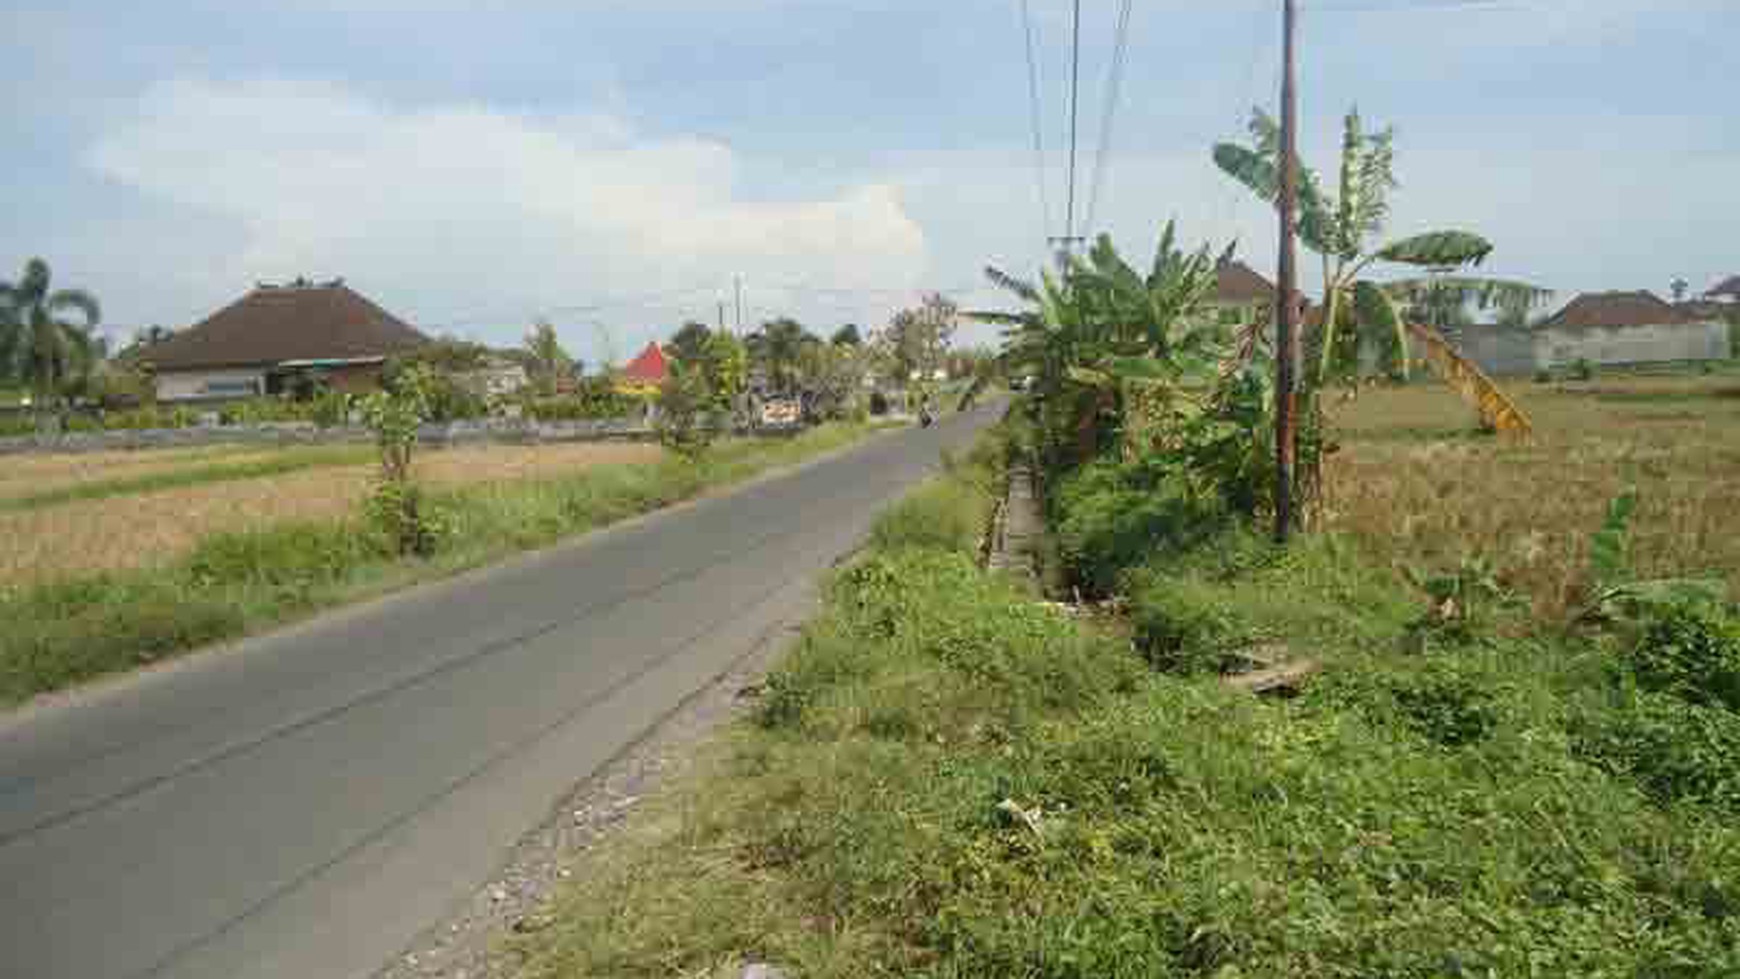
x=304 y=804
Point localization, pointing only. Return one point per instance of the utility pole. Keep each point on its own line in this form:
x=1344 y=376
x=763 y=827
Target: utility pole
x=739 y=281
x=721 y=316
x=1287 y=312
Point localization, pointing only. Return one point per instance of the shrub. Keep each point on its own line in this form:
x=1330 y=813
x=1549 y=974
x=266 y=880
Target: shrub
x=878 y=404
x=1114 y=516
x=1543 y=376
x=1185 y=626
x=1692 y=653
x=1583 y=370
x=1675 y=750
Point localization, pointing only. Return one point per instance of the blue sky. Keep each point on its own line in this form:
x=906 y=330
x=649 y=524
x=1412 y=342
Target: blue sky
x=614 y=165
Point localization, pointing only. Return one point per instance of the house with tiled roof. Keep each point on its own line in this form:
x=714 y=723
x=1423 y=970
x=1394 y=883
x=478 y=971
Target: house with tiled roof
x=1241 y=294
x=1726 y=291
x=645 y=373
x=1621 y=328
x=257 y=344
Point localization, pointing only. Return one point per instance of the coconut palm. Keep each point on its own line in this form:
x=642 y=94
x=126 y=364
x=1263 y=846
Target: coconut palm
x=779 y=348
x=1344 y=229
x=38 y=344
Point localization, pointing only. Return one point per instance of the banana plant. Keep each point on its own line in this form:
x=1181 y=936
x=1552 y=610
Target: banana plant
x=1344 y=229
x=1104 y=327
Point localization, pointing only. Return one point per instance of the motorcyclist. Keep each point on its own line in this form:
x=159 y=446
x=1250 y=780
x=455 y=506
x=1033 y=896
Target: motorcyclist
x=925 y=416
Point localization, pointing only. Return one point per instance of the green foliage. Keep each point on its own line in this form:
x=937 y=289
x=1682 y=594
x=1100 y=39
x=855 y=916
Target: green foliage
x=946 y=780
x=549 y=360
x=397 y=509
x=1112 y=516
x=1184 y=626
x=39 y=343
x=1461 y=603
x=1678 y=752
x=687 y=409
x=1691 y=652
x=1582 y=370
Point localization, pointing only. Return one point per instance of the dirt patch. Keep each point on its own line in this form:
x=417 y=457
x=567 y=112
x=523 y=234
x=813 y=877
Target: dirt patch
x=149 y=529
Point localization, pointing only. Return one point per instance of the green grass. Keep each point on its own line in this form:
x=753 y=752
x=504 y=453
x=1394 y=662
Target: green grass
x=61 y=634
x=945 y=779
x=288 y=461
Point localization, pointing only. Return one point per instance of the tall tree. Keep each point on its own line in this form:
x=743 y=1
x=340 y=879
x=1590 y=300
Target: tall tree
x=1679 y=287
x=689 y=343
x=919 y=336
x=45 y=349
x=778 y=348
x=847 y=336
x=549 y=360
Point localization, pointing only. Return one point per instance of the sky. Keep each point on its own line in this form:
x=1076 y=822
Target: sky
x=618 y=166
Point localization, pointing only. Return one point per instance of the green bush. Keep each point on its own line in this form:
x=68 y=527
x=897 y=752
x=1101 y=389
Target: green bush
x=1583 y=370
x=1677 y=751
x=1113 y=516
x=1184 y=625
x=1692 y=653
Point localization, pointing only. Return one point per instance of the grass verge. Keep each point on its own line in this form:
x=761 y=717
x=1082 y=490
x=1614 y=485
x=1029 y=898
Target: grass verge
x=66 y=632
x=947 y=780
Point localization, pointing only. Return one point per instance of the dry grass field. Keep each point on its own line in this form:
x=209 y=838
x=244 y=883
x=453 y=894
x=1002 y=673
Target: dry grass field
x=1415 y=483
x=151 y=528
x=27 y=475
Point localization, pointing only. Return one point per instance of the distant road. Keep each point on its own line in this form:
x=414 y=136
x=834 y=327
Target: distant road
x=304 y=804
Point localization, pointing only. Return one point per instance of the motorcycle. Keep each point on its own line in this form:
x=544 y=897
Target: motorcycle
x=925 y=418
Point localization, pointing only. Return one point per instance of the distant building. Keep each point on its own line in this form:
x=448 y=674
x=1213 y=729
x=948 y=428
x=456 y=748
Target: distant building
x=645 y=373
x=1619 y=328
x=258 y=344
x=1241 y=294
x=497 y=378
x=1726 y=291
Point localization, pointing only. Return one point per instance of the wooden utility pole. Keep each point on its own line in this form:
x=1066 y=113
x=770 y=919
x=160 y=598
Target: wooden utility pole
x=1287 y=311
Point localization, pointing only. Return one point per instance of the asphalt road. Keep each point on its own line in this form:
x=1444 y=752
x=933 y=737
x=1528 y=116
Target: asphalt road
x=305 y=803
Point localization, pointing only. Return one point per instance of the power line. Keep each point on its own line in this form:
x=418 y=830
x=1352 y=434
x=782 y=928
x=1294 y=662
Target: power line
x=1114 y=82
x=1036 y=112
x=1074 y=92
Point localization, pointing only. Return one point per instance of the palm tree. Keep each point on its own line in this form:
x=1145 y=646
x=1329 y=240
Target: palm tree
x=39 y=345
x=1343 y=229
x=780 y=349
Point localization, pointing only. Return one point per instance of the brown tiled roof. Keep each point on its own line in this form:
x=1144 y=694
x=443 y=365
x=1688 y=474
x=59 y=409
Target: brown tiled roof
x=274 y=324
x=1239 y=283
x=1727 y=287
x=1594 y=310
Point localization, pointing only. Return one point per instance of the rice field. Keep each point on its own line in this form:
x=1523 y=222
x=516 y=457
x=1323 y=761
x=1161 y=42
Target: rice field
x=1416 y=483
x=153 y=528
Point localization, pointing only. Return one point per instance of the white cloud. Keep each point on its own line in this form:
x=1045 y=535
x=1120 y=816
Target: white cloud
x=466 y=212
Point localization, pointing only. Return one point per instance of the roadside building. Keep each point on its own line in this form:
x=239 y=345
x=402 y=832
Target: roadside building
x=261 y=343
x=1625 y=328
x=1241 y=294
x=645 y=373
x=1727 y=291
